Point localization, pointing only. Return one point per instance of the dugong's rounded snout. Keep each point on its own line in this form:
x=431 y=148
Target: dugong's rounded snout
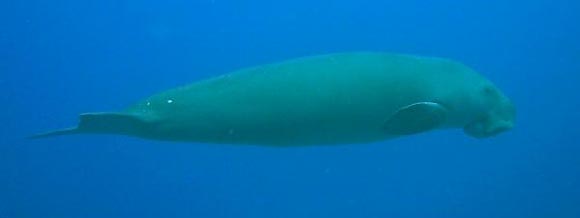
x=498 y=120
x=481 y=130
x=502 y=126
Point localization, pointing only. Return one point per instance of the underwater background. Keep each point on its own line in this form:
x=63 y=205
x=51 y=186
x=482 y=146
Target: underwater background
x=60 y=58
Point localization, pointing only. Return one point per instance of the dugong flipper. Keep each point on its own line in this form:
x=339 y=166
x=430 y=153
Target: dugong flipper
x=327 y=99
x=416 y=118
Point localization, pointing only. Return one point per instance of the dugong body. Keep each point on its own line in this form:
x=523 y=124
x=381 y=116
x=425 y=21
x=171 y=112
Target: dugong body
x=328 y=99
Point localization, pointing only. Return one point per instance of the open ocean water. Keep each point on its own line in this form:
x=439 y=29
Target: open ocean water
x=60 y=58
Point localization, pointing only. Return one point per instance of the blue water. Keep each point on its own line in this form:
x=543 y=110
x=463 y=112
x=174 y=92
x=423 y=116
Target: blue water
x=60 y=58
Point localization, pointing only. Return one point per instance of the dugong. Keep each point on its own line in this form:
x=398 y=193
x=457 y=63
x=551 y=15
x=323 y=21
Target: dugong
x=342 y=98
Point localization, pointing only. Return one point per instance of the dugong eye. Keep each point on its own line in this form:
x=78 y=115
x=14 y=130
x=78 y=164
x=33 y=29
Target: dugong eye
x=489 y=91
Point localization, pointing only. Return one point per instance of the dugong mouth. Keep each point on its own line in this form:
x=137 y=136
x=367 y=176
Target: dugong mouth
x=496 y=121
x=484 y=130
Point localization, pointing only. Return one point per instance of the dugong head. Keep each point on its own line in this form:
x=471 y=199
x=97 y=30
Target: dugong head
x=474 y=103
x=494 y=112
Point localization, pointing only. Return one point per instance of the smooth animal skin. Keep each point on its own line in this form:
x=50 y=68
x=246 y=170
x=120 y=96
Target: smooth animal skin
x=328 y=99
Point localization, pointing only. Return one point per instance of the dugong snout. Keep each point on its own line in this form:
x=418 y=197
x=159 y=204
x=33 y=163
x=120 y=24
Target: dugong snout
x=498 y=119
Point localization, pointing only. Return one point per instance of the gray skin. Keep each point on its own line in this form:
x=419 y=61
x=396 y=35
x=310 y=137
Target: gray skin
x=340 y=98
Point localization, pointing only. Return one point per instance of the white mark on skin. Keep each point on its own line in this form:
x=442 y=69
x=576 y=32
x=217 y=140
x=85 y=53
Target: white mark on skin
x=148 y=103
x=169 y=101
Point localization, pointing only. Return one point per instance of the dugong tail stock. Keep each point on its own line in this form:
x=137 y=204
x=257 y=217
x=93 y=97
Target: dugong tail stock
x=102 y=123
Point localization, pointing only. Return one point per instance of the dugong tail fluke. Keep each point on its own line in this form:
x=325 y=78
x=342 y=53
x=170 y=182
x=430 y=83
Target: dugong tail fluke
x=103 y=122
